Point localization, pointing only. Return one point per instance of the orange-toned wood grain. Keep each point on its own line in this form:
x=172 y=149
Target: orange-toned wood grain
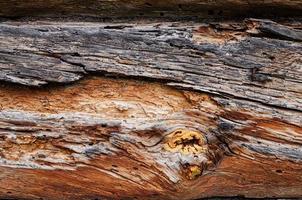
x=104 y=138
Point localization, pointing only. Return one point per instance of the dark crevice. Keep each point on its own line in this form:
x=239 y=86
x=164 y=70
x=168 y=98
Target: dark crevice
x=211 y=12
x=148 y=4
x=221 y=138
x=118 y=27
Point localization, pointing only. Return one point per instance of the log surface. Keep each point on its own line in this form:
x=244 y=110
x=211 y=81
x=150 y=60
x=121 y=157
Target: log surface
x=151 y=8
x=198 y=110
x=227 y=61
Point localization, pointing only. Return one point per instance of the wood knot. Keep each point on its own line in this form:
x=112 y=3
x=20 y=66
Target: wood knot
x=194 y=151
x=186 y=142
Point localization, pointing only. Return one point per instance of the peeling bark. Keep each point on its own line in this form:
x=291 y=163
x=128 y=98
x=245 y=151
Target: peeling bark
x=215 y=110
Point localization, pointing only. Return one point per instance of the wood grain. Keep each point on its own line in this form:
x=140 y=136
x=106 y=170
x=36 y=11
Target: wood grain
x=233 y=62
x=106 y=138
x=185 y=9
x=150 y=111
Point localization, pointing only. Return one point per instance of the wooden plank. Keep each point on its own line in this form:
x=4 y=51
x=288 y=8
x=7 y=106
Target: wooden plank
x=113 y=139
x=233 y=62
x=151 y=8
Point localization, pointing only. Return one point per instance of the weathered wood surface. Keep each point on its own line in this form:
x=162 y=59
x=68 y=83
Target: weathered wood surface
x=150 y=8
x=226 y=60
x=219 y=113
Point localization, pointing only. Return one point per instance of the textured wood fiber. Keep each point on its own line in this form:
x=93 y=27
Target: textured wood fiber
x=221 y=59
x=106 y=138
x=151 y=8
x=218 y=114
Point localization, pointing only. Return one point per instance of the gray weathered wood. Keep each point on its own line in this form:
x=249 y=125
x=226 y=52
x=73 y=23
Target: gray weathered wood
x=265 y=69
